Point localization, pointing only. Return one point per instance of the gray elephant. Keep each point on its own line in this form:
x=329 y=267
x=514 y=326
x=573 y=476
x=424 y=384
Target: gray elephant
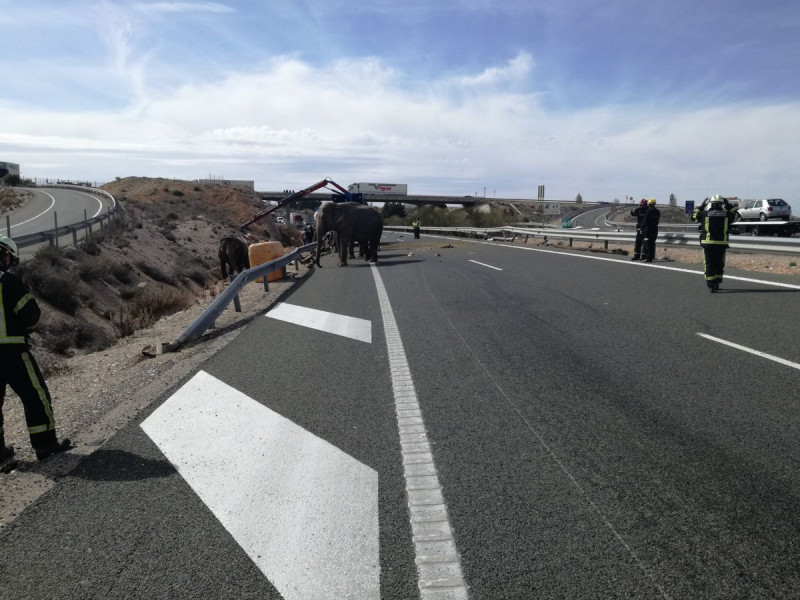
x=351 y=221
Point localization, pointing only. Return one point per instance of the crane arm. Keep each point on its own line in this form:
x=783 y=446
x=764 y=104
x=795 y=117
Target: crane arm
x=296 y=196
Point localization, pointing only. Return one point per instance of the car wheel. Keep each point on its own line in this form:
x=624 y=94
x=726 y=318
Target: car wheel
x=755 y=232
x=762 y=217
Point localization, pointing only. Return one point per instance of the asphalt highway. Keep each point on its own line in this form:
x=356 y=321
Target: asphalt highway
x=600 y=429
x=71 y=206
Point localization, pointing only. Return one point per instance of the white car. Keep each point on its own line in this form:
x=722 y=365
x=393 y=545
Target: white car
x=773 y=208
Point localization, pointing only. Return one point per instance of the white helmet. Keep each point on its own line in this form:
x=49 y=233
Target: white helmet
x=8 y=245
x=716 y=200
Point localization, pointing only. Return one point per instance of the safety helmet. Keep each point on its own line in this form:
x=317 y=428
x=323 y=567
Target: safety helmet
x=643 y=202
x=651 y=201
x=9 y=246
x=716 y=201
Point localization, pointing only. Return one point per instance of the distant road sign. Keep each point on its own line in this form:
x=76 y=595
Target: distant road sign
x=552 y=208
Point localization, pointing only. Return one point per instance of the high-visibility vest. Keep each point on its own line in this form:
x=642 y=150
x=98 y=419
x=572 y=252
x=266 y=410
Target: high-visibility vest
x=715 y=226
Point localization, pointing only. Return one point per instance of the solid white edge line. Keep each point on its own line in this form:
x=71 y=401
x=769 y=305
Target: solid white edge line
x=622 y=262
x=47 y=210
x=777 y=359
x=437 y=559
x=99 y=201
x=485 y=265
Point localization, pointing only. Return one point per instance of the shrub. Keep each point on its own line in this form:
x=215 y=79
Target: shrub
x=147 y=307
x=61 y=336
x=127 y=292
x=123 y=272
x=91 y=269
x=91 y=337
x=177 y=193
x=153 y=272
x=91 y=244
x=194 y=269
x=51 y=279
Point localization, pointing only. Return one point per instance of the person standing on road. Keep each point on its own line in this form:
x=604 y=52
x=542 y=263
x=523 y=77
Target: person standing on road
x=416 y=225
x=715 y=216
x=651 y=218
x=639 y=213
x=19 y=315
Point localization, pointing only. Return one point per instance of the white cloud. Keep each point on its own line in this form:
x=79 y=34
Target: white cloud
x=518 y=68
x=290 y=124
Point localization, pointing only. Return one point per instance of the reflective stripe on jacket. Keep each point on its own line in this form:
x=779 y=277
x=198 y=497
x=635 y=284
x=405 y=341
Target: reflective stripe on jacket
x=714 y=225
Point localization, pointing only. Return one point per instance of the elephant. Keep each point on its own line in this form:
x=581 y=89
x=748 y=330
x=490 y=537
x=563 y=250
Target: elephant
x=351 y=221
x=234 y=255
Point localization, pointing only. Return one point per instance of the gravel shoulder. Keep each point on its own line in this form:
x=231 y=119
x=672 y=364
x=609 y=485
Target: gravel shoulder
x=97 y=394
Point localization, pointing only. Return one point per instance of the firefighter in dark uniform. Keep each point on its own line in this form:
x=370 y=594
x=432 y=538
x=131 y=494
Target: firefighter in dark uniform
x=715 y=216
x=639 y=212
x=19 y=315
x=651 y=218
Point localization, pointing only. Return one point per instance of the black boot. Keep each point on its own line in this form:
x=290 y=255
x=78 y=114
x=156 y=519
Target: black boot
x=6 y=452
x=53 y=448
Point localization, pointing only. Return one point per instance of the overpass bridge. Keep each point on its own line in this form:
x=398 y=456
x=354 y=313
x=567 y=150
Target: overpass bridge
x=465 y=201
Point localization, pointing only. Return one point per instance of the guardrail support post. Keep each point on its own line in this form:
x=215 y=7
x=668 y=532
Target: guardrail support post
x=605 y=245
x=75 y=237
x=55 y=235
x=237 y=306
x=266 y=284
x=570 y=242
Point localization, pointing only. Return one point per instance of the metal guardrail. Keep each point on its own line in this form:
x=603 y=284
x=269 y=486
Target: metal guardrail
x=52 y=235
x=781 y=245
x=231 y=294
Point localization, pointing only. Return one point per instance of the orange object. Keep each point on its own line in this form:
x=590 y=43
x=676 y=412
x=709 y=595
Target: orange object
x=263 y=252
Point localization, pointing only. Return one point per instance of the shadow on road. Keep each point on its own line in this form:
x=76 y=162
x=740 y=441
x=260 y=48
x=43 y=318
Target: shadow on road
x=119 y=465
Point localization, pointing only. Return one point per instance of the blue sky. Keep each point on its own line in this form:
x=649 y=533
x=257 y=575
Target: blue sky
x=608 y=98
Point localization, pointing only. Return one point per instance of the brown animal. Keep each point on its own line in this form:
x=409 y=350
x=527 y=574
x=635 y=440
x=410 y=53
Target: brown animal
x=234 y=256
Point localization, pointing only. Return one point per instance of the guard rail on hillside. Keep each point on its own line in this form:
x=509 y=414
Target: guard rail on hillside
x=52 y=235
x=780 y=245
x=231 y=294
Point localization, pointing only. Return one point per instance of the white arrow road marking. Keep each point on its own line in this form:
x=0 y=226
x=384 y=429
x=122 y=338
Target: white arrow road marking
x=357 y=329
x=305 y=512
x=777 y=359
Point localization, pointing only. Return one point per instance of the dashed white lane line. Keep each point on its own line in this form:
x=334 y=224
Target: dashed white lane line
x=777 y=359
x=485 y=265
x=352 y=327
x=438 y=561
